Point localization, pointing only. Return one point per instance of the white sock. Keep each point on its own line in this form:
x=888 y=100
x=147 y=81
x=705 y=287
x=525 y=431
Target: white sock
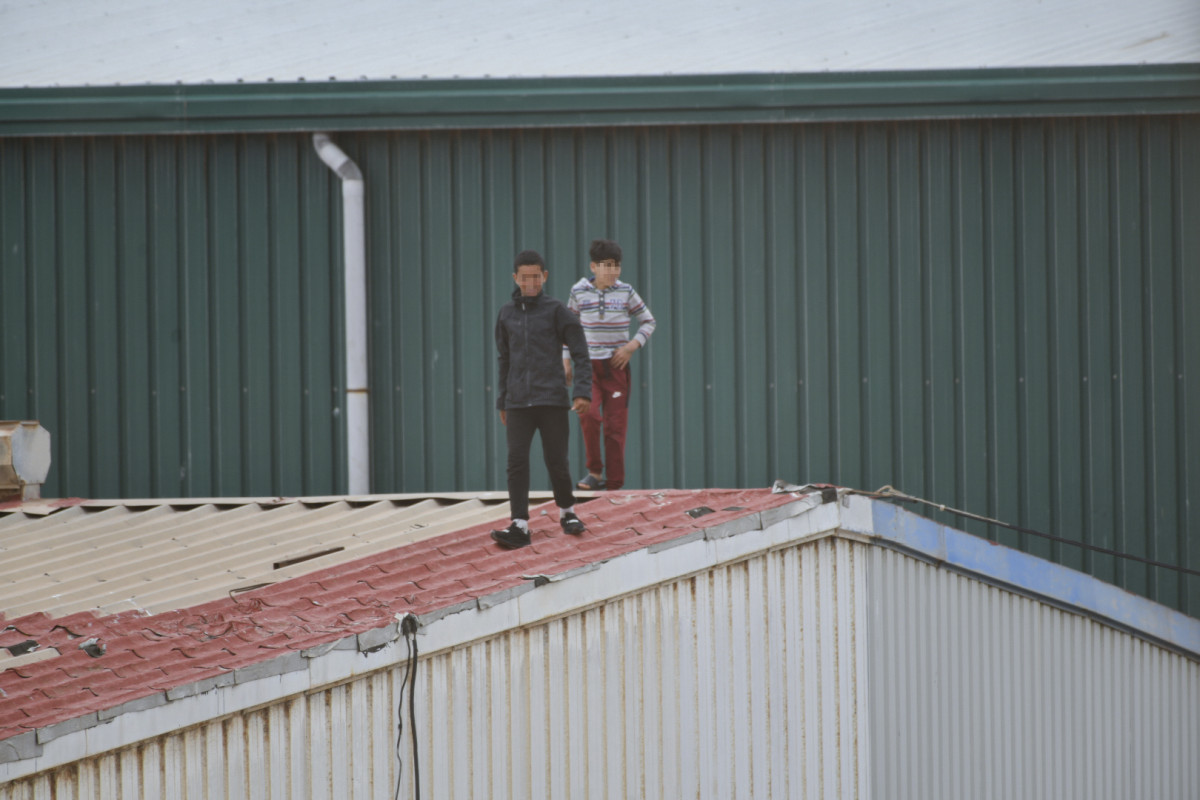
x=522 y=524
x=563 y=511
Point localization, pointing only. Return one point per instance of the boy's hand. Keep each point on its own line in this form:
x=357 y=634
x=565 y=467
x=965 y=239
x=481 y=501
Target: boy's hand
x=503 y=417
x=622 y=354
x=582 y=406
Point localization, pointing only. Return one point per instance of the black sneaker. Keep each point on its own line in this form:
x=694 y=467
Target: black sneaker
x=512 y=537
x=571 y=524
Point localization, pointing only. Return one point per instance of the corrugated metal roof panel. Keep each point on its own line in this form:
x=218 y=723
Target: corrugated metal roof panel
x=208 y=551
x=139 y=41
x=155 y=556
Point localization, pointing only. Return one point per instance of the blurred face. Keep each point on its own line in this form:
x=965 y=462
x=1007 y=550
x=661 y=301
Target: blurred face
x=606 y=273
x=530 y=278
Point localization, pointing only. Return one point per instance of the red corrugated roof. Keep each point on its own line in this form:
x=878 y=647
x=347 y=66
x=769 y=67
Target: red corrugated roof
x=130 y=656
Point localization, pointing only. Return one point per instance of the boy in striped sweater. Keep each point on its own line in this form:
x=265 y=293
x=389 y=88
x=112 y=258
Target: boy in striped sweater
x=606 y=305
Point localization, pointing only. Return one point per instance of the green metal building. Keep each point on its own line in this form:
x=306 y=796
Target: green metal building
x=974 y=285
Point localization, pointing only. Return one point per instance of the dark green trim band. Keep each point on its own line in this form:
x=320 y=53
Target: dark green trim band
x=662 y=100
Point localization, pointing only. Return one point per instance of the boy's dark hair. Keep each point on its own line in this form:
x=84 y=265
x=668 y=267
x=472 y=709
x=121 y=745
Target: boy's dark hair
x=527 y=257
x=604 y=250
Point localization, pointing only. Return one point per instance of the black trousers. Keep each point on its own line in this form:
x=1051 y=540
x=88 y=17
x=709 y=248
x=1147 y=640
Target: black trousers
x=553 y=424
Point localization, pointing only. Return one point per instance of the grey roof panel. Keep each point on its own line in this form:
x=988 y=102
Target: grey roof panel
x=71 y=42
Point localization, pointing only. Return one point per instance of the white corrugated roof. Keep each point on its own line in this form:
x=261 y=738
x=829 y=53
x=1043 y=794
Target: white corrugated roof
x=63 y=557
x=104 y=42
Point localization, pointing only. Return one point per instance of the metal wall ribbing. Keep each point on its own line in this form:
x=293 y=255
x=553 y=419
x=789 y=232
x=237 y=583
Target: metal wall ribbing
x=978 y=692
x=168 y=311
x=990 y=313
x=743 y=681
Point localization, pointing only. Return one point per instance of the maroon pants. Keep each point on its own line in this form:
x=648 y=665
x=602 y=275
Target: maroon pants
x=607 y=418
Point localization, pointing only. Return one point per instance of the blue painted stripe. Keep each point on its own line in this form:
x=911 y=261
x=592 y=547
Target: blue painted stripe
x=1028 y=573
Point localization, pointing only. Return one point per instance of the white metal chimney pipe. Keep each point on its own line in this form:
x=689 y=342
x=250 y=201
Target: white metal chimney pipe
x=358 y=440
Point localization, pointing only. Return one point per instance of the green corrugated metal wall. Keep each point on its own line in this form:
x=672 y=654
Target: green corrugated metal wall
x=995 y=314
x=167 y=313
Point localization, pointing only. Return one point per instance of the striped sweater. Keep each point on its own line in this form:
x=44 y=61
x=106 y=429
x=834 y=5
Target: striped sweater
x=606 y=316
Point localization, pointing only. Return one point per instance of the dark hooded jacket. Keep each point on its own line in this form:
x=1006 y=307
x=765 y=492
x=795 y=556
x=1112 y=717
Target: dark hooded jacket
x=530 y=335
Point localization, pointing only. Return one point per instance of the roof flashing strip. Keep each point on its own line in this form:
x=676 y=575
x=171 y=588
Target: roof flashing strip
x=1029 y=575
x=557 y=102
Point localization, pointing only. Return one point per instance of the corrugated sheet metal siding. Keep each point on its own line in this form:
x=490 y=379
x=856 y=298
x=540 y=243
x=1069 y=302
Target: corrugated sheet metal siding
x=970 y=311
x=977 y=692
x=170 y=313
x=988 y=313
x=745 y=681
x=337 y=743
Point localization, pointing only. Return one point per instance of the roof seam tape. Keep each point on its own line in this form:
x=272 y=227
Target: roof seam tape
x=52 y=732
x=20 y=747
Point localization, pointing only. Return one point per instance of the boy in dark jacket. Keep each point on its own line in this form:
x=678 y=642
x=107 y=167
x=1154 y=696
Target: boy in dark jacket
x=531 y=331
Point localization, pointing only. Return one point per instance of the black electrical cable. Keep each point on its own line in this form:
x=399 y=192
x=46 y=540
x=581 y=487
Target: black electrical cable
x=408 y=627
x=888 y=493
x=412 y=713
x=400 y=728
